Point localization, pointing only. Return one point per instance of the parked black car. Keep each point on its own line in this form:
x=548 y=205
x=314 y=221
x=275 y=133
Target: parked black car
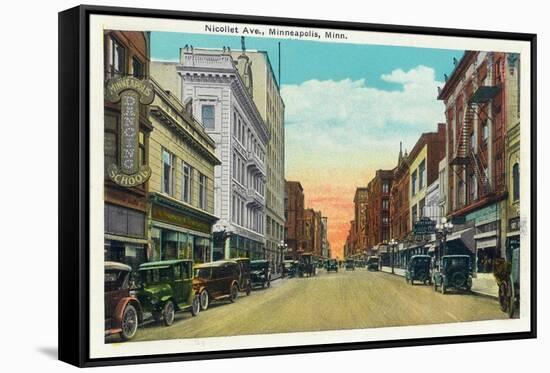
x=373 y=263
x=290 y=267
x=260 y=273
x=419 y=269
x=453 y=271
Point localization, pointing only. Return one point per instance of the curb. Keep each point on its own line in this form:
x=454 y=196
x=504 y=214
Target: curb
x=474 y=292
x=483 y=294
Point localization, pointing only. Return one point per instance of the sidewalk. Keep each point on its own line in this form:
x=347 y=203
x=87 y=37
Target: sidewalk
x=483 y=283
x=397 y=271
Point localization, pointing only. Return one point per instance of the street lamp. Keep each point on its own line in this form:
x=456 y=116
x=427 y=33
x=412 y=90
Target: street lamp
x=393 y=245
x=443 y=229
x=282 y=246
x=223 y=233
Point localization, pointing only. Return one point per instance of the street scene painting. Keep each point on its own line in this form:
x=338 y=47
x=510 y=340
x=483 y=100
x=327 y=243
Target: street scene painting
x=291 y=181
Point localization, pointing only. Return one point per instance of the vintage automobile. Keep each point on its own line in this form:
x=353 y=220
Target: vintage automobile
x=453 y=271
x=260 y=273
x=331 y=265
x=419 y=269
x=373 y=263
x=245 y=284
x=122 y=310
x=350 y=265
x=217 y=280
x=290 y=267
x=306 y=265
x=166 y=287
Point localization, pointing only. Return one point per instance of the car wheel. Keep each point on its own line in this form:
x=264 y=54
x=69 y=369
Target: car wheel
x=168 y=313
x=234 y=293
x=503 y=297
x=129 y=322
x=511 y=307
x=204 y=298
x=196 y=306
x=443 y=288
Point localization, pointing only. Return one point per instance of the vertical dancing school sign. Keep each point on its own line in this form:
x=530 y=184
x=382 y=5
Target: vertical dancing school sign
x=130 y=92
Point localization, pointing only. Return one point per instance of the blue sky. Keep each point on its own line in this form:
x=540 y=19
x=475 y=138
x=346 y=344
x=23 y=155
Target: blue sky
x=305 y=60
x=347 y=108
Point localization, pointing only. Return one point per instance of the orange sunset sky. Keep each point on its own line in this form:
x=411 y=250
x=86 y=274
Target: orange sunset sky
x=338 y=133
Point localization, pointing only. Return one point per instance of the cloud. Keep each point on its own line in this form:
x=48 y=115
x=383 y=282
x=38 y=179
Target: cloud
x=340 y=132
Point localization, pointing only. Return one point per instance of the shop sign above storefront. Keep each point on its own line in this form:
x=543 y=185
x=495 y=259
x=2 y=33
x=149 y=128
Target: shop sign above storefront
x=130 y=92
x=424 y=226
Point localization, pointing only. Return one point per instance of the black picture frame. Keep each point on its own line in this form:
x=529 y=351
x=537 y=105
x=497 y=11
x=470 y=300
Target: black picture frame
x=74 y=180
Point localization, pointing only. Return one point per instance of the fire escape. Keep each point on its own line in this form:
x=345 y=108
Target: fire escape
x=467 y=157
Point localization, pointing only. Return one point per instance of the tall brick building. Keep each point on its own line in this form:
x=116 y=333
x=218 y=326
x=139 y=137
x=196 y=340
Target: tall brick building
x=126 y=54
x=399 y=199
x=475 y=108
x=294 y=216
x=313 y=235
x=378 y=209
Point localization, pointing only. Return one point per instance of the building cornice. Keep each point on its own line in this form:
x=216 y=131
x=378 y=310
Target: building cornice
x=457 y=75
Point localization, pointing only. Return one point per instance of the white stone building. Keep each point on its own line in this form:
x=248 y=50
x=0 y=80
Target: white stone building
x=267 y=97
x=218 y=91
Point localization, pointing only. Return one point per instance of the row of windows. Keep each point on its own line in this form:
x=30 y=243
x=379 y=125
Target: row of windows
x=169 y=164
x=245 y=177
x=245 y=137
x=274 y=229
x=243 y=215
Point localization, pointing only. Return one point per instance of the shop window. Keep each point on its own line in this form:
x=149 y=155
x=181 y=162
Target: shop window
x=185 y=245
x=201 y=250
x=169 y=245
x=208 y=116
x=515 y=182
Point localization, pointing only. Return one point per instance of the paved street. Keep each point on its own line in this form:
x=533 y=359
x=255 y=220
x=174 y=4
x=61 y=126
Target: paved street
x=343 y=300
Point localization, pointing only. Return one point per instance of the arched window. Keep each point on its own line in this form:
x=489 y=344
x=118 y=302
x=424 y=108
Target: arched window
x=515 y=182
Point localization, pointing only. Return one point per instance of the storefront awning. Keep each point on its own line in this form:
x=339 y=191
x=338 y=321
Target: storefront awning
x=462 y=239
x=115 y=237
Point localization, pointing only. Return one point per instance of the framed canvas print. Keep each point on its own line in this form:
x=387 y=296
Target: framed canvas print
x=234 y=186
